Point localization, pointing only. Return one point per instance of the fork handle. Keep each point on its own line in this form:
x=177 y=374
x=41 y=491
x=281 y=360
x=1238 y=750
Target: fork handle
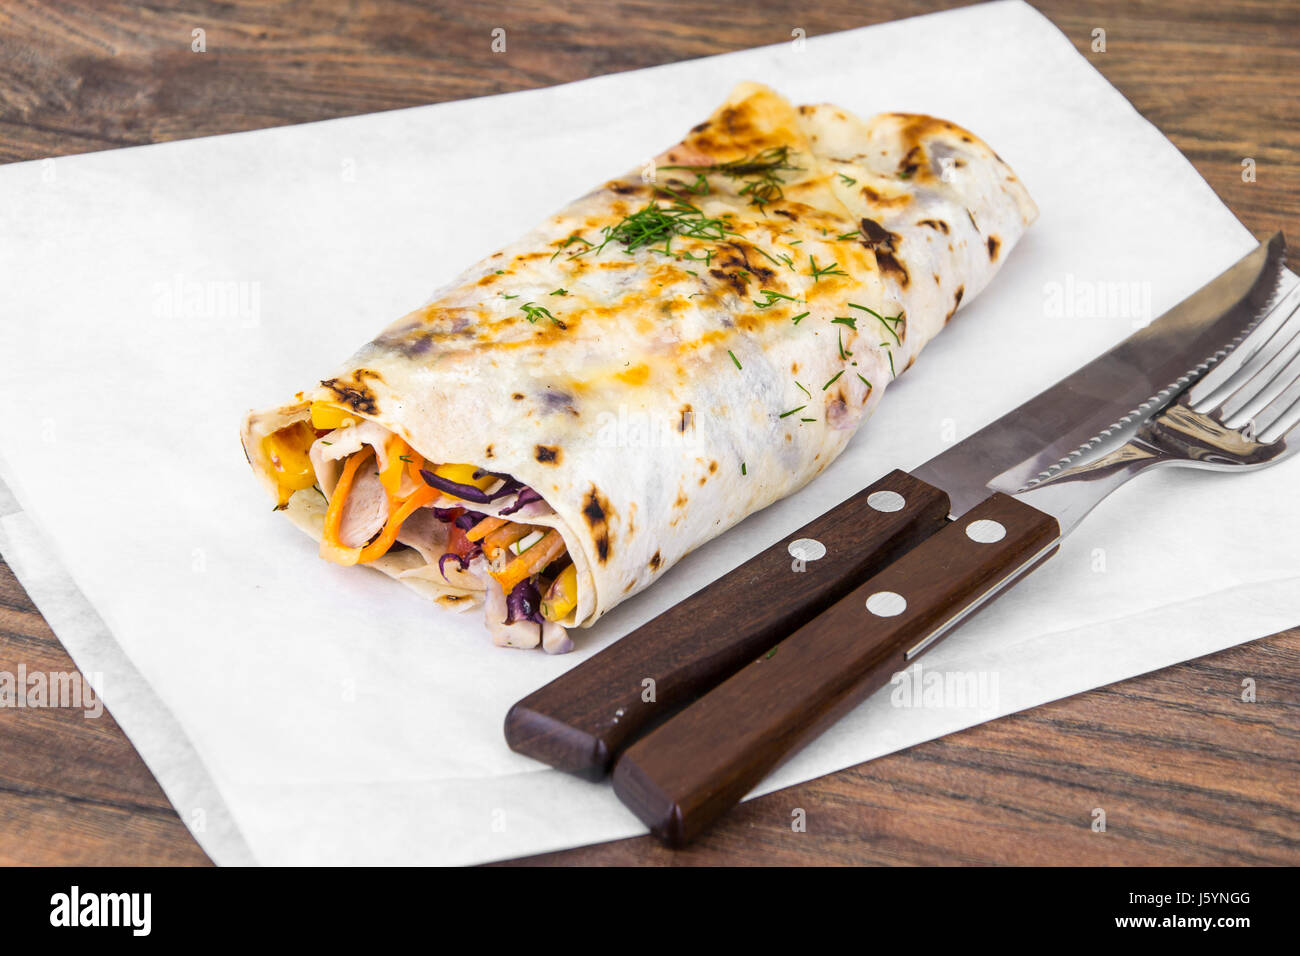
x=694 y=767
x=583 y=719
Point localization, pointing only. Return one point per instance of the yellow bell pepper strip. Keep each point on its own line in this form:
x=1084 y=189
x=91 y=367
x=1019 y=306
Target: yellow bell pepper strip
x=291 y=469
x=485 y=527
x=328 y=417
x=531 y=561
x=391 y=476
x=500 y=539
x=331 y=548
x=464 y=475
x=562 y=596
x=417 y=499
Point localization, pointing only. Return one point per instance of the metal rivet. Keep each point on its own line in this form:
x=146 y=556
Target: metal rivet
x=807 y=549
x=886 y=501
x=886 y=604
x=985 y=531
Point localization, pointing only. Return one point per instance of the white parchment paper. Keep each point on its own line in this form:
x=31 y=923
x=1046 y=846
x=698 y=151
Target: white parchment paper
x=297 y=712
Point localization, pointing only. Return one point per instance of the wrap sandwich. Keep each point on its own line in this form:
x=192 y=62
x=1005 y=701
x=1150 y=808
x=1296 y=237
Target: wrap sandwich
x=666 y=355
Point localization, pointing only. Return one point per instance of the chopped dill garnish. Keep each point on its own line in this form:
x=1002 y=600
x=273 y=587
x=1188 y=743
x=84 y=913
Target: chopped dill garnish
x=792 y=411
x=804 y=390
x=807 y=419
x=796 y=319
x=888 y=321
x=849 y=235
x=655 y=222
x=505 y=296
x=760 y=173
x=405 y=458
x=843 y=354
x=818 y=271
x=892 y=373
x=533 y=312
x=734 y=359
x=848 y=320
x=773 y=298
x=559 y=292
x=833 y=380
x=864 y=381
x=767 y=255
x=565 y=243
x=848 y=180
x=743 y=469
x=700 y=186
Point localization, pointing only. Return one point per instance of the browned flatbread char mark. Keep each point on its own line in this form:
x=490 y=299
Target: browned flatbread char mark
x=883 y=243
x=877 y=198
x=357 y=394
x=956 y=301
x=597 y=512
x=934 y=224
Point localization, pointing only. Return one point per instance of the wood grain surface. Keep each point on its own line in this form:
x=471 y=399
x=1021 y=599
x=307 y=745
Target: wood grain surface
x=1185 y=771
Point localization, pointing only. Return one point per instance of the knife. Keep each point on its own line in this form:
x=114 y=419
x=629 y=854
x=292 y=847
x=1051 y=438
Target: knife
x=583 y=720
x=1016 y=488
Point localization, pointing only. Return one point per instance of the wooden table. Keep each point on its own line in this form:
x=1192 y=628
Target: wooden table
x=1186 y=772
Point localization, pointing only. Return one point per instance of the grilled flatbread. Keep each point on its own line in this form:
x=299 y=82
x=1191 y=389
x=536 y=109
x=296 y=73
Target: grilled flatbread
x=668 y=354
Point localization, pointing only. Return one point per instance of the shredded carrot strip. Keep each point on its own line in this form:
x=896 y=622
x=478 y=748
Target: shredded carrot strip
x=531 y=561
x=503 y=537
x=485 y=527
x=330 y=547
x=391 y=476
x=381 y=544
x=417 y=462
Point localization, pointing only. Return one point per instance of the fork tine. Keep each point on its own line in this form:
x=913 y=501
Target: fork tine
x=1258 y=347
x=1265 y=382
x=1280 y=407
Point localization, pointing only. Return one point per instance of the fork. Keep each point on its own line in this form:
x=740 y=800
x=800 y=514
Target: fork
x=1236 y=416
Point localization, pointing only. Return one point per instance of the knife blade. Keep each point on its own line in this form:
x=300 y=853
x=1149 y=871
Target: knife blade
x=701 y=761
x=583 y=720
x=1088 y=406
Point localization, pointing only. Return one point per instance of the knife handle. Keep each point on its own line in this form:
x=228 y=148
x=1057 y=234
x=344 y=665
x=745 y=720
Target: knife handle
x=690 y=770
x=583 y=719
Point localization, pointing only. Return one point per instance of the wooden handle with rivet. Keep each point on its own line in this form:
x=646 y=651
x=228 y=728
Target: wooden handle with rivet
x=687 y=772
x=582 y=720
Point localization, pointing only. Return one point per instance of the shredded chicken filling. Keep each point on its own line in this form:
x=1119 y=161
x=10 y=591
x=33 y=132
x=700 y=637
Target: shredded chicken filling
x=400 y=499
